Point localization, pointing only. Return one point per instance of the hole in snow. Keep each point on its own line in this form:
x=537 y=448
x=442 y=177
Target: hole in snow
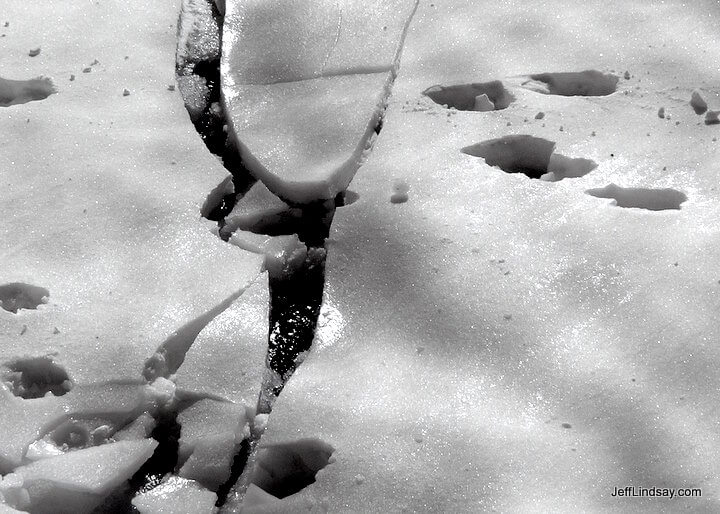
x=641 y=198
x=345 y=198
x=531 y=156
x=34 y=377
x=18 y=295
x=295 y=299
x=14 y=92
x=285 y=469
x=71 y=434
x=481 y=96
x=582 y=83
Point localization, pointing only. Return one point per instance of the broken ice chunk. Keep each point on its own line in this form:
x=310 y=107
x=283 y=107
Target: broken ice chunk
x=304 y=111
x=141 y=428
x=210 y=434
x=262 y=212
x=228 y=357
x=12 y=492
x=176 y=495
x=483 y=103
x=78 y=481
x=305 y=140
x=42 y=449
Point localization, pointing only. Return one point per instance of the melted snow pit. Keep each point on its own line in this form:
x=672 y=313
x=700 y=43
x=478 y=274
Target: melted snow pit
x=19 y=295
x=531 y=156
x=285 y=469
x=14 y=92
x=583 y=83
x=480 y=96
x=35 y=377
x=641 y=198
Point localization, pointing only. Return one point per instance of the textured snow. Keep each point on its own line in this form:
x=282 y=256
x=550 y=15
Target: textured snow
x=496 y=343
x=102 y=193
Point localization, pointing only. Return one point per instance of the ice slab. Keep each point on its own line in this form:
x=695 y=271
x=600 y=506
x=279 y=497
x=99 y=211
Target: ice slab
x=77 y=481
x=310 y=40
x=211 y=432
x=176 y=495
x=102 y=194
x=228 y=357
x=305 y=140
x=303 y=109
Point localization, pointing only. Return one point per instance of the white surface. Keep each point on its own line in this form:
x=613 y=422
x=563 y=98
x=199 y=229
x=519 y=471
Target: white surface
x=464 y=327
x=102 y=192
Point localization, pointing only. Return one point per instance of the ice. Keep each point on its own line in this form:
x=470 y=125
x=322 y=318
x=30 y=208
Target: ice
x=303 y=109
x=228 y=357
x=514 y=345
x=211 y=432
x=306 y=139
x=77 y=481
x=310 y=40
x=176 y=495
x=72 y=419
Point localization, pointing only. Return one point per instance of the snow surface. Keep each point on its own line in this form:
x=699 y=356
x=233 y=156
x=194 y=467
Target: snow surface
x=104 y=193
x=103 y=186
x=487 y=341
x=497 y=343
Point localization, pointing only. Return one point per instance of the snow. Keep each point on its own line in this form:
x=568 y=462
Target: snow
x=105 y=193
x=508 y=344
x=487 y=341
x=107 y=262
